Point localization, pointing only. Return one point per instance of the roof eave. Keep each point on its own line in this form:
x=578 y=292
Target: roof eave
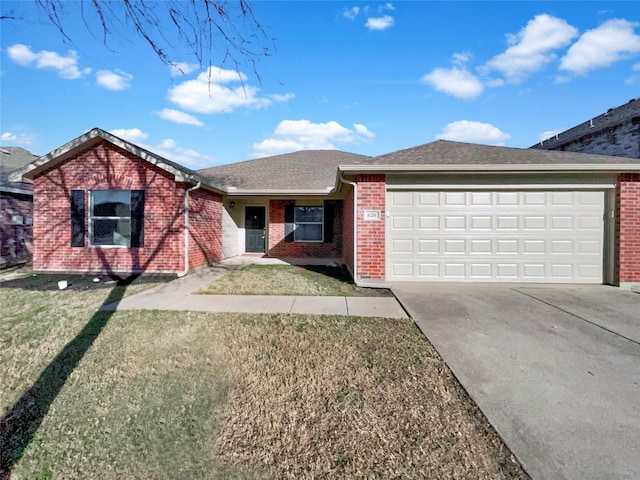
x=233 y=191
x=19 y=191
x=501 y=168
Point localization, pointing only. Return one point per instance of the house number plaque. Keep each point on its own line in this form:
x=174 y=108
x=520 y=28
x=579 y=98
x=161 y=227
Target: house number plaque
x=371 y=215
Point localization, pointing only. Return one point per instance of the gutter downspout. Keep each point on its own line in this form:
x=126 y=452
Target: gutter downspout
x=186 y=229
x=355 y=226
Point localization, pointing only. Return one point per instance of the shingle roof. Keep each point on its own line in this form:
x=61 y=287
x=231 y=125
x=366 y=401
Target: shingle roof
x=611 y=119
x=12 y=159
x=304 y=170
x=444 y=152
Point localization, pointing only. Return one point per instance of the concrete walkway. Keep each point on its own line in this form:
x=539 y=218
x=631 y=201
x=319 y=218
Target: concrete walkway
x=178 y=295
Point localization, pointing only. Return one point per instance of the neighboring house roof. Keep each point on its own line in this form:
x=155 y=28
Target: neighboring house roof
x=629 y=113
x=307 y=171
x=444 y=155
x=94 y=137
x=12 y=159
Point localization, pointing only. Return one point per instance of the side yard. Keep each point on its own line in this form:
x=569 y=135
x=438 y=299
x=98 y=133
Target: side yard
x=157 y=394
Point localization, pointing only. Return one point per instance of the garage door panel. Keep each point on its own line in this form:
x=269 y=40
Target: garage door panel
x=428 y=222
x=540 y=236
x=429 y=198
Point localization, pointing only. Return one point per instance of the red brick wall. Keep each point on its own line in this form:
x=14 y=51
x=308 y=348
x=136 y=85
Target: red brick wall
x=629 y=228
x=108 y=167
x=279 y=248
x=347 y=231
x=15 y=240
x=205 y=228
x=371 y=193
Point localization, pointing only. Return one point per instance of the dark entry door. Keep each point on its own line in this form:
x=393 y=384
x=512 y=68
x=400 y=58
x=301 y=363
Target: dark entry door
x=254 y=221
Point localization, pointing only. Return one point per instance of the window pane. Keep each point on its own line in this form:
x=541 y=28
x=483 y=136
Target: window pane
x=111 y=203
x=308 y=232
x=111 y=232
x=308 y=214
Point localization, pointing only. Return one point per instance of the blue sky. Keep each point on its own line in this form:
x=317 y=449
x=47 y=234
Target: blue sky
x=364 y=77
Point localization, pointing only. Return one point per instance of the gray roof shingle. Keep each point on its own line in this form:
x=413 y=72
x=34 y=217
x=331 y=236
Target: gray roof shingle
x=12 y=159
x=303 y=170
x=445 y=152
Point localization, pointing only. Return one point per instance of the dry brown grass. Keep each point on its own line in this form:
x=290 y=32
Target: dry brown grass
x=334 y=397
x=200 y=395
x=307 y=280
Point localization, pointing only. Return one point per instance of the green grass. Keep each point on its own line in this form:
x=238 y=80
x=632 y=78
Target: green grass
x=310 y=280
x=150 y=394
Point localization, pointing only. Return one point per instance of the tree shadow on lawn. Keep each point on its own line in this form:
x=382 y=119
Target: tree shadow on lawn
x=19 y=425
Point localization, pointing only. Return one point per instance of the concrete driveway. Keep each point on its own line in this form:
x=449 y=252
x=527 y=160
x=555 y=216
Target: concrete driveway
x=556 y=369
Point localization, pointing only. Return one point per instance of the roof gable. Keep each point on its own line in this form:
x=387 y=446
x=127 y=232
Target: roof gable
x=91 y=138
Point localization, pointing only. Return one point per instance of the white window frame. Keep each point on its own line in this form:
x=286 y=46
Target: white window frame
x=296 y=223
x=92 y=218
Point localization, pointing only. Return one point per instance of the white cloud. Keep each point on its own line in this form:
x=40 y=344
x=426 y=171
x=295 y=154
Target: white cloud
x=15 y=139
x=549 y=133
x=458 y=82
x=179 y=117
x=636 y=67
x=351 y=13
x=532 y=48
x=67 y=67
x=208 y=93
x=379 y=23
x=473 y=132
x=294 y=135
x=167 y=148
x=114 y=80
x=612 y=41
x=182 y=68
x=170 y=149
x=461 y=58
x=363 y=130
x=134 y=135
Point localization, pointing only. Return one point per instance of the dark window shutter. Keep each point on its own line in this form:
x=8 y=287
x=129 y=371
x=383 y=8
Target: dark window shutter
x=329 y=213
x=77 y=218
x=289 y=224
x=137 y=218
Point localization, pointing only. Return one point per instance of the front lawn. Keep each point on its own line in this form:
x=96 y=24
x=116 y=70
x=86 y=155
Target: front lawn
x=175 y=395
x=308 y=280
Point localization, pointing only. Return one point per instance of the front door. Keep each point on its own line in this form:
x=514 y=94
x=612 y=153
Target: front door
x=254 y=221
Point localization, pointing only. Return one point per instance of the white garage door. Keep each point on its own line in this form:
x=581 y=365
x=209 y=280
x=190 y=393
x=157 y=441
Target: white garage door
x=503 y=236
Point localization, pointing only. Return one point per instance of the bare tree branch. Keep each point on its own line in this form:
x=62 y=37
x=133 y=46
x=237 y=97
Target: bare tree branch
x=209 y=32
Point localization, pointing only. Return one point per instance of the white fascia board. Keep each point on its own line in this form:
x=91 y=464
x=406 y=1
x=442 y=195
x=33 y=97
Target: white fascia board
x=20 y=191
x=233 y=191
x=503 y=168
x=524 y=186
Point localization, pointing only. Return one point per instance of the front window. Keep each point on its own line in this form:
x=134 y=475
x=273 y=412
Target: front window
x=308 y=224
x=110 y=218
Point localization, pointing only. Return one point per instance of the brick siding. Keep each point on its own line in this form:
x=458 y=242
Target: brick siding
x=205 y=228
x=347 y=232
x=277 y=247
x=371 y=193
x=628 y=232
x=106 y=166
x=15 y=240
